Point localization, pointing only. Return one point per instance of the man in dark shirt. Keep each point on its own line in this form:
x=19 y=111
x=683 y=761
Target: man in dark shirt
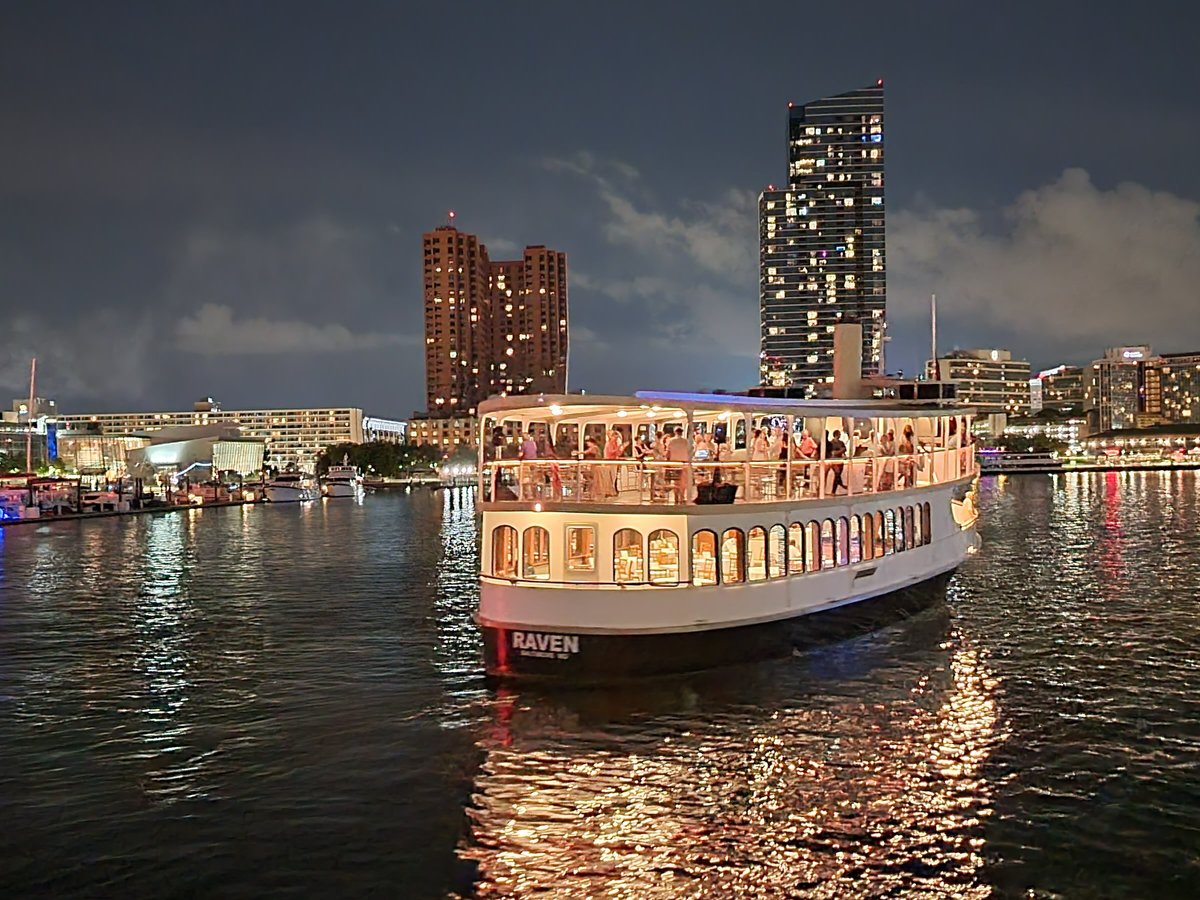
x=835 y=448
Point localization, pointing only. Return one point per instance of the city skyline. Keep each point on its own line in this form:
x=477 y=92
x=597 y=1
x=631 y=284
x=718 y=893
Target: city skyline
x=213 y=215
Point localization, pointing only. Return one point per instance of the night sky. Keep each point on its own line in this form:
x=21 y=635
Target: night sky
x=227 y=199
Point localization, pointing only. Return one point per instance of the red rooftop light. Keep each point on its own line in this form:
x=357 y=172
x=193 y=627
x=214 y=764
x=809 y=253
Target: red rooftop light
x=790 y=104
x=879 y=83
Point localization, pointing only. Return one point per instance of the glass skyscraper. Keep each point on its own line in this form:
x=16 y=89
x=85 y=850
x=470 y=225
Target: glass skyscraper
x=821 y=241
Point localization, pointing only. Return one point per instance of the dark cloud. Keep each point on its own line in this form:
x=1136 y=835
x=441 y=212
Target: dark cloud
x=263 y=172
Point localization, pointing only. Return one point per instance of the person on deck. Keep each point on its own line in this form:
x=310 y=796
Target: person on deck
x=679 y=453
x=760 y=447
x=614 y=448
x=835 y=448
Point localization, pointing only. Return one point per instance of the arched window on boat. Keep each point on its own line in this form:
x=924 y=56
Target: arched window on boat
x=868 y=536
x=880 y=530
x=855 y=540
x=812 y=547
x=795 y=551
x=828 y=557
x=777 y=552
x=841 y=551
x=889 y=532
x=664 y=557
x=918 y=527
x=898 y=524
x=909 y=529
x=733 y=556
x=629 y=563
x=756 y=554
x=536 y=545
x=928 y=532
x=704 y=557
x=504 y=552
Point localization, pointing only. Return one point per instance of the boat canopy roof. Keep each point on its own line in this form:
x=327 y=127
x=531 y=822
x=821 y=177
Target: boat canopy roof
x=557 y=407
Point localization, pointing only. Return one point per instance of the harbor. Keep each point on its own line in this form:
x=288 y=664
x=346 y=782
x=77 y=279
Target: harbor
x=224 y=697
x=570 y=451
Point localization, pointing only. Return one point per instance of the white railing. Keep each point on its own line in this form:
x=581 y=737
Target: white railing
x=633 y=482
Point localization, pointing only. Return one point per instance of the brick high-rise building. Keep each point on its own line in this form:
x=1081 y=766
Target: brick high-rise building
x=458 y=322
x=491 y=327
x=529 y=313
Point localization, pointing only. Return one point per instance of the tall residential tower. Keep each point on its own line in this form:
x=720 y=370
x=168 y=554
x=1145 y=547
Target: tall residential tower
x=491 y=327
x=821 y=241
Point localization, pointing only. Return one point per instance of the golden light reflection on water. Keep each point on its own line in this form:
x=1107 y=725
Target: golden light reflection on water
x=836 y=793
x=163 y=658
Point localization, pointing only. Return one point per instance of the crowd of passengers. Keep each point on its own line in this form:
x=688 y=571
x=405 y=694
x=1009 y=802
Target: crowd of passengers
x=765 y=444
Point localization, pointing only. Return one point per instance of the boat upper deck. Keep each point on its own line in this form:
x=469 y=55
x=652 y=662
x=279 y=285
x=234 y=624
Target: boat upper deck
x=657 y=448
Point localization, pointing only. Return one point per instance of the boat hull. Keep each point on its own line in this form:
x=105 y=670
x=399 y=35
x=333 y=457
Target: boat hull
x=287 y=494
x=573 y=657
x=342 y=489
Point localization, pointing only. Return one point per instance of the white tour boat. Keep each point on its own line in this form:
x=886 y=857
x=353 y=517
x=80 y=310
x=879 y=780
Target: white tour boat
x=288 y=487
x=721 y=547
x=342 y=481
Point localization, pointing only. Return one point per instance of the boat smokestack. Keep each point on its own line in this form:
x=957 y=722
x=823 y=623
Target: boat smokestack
x=847 y=362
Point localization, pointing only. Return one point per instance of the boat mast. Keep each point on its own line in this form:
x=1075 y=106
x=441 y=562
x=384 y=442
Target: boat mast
x=29 y=417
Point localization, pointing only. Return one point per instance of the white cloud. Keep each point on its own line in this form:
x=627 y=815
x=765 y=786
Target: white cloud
x=720 y=237
x=1067 y=262
x=693 y=273
x=213 y=331
x=499 y=247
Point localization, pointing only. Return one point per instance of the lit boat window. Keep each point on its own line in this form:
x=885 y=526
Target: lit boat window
x=536 y=544
x=777 y=552
x=756 y=546
x=828 y=560
x=581 y=548
x=504 y=552
x=664 y=557
x=704 y=558
x=629 y=563
x=733 y=556
x=812 y=548
x=795 y=553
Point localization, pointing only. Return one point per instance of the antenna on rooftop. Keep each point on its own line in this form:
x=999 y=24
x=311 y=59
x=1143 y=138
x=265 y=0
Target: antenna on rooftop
x=933 y=365
x=29 y=416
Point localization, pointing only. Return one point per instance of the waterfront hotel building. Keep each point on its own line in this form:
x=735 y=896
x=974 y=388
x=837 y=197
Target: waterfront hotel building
x=989 y=380
x=292 y=436
x=821 y=242
x=491 y=326
x=1113 y=388
x=1133 y=387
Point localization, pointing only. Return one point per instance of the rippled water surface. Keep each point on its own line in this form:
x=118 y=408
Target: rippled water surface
x=287 y=701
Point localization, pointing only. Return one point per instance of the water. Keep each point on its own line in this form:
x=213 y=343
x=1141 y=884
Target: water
x=288 y=701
